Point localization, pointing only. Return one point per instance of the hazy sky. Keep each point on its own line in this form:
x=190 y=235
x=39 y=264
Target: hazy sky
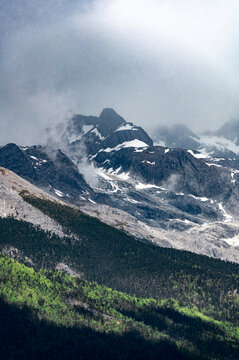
x=153 y=61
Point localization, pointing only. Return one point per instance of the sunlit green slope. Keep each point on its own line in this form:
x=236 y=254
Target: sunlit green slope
x=45 y=314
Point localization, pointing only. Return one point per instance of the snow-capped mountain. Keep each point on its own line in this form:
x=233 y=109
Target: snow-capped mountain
x=221 y=143
x=105 y=132
x=168 y=189
x=184 y=198
x=126 y=151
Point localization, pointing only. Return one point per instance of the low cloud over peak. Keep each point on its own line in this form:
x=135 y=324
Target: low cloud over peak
x=63 y=57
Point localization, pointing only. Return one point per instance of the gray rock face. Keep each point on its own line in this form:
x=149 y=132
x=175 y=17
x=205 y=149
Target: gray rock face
x=171 y=196
x=109 y=121
x=179 y=169
x=151 y=213
x=113 y=143
x=107 y=131
x=12 y=204
x=49 y=169
x=13 y=158
x=174 y=192
x=216 y=238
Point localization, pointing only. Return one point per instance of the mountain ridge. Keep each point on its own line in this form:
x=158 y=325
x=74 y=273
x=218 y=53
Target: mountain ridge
x=171 y=195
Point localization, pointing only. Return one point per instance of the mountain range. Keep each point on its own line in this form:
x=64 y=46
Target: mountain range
x=223 y=142
x=184 y=198
x=103 y=241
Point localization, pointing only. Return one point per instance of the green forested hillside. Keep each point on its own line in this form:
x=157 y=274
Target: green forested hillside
x=117 y=260
x=49 y=315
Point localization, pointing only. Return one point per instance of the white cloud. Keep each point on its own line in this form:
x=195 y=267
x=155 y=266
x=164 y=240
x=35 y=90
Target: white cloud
x=154 y=61
x=205 y=27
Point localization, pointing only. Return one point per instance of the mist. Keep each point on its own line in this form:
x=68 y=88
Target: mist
x=155 y=62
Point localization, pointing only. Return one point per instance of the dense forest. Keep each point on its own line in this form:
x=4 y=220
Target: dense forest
x=129 y=299
x=50 y=315
x=117 y=260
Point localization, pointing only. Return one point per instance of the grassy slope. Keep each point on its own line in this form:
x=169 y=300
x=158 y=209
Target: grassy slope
x=64 y=316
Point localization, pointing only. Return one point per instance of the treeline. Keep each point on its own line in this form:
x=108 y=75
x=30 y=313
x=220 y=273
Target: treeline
x=115 y=259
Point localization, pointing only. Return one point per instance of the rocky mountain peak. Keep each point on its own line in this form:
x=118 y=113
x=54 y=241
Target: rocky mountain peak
x=14 y=158
x=108 y=131
x=49 y=169
x=167 y=189
x=109 y=121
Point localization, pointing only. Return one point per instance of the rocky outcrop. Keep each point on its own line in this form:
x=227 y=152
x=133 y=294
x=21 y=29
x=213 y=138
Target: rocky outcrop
x=49 y=169
x=12 y=204
x=95 y=134
x=176 y=169
x=174 y=197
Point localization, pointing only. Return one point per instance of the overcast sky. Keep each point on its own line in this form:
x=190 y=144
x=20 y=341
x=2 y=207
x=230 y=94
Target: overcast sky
x=155 y=62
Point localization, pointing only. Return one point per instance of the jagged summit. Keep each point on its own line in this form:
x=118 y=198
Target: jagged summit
x=173 y=193
x=109 y=121
x=109 y=130
x=49 y=169
x=14 y=158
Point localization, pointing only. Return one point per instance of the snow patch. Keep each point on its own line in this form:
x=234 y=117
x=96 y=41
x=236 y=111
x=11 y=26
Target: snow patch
x=58 y=193
x=185 y=221
x=86 y=128
x=93 y=202
x=198 y=155
x=97 y=133
x=199 y=198
x=132 y=201
x=220 y=143
x=141 y=186
x=123 y=176
x=113 y=173
x=219 y=159
x=127 y=144
x=118 y=169
x=148 y=162
x=126 y=126
x=139 y=150
x=211 y=164
x=225 y=214
x=234 y=241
